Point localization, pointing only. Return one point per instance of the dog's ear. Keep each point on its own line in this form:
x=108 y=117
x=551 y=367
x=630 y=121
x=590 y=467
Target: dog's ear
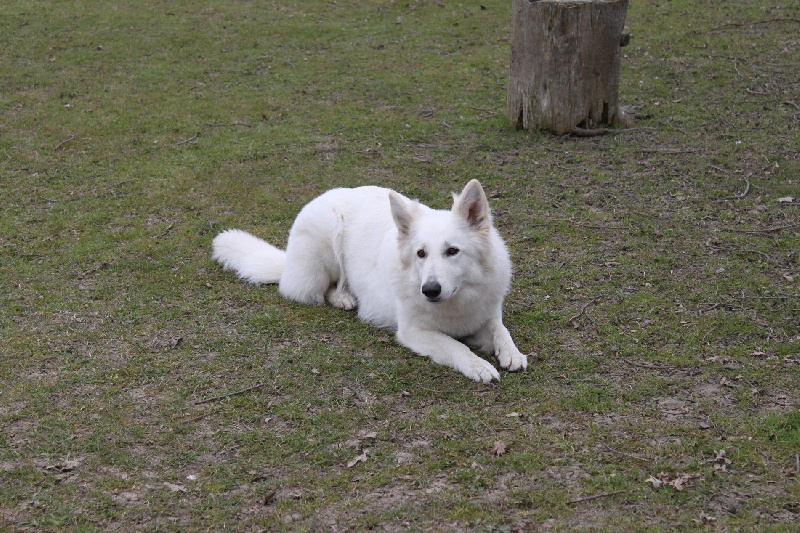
x=401 y=212
x=473 y=206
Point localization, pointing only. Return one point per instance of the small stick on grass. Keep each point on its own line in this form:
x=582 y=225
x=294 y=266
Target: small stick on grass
x=236 y=393
x=186 y=141
x=739 y=196
x=166 y=232
x=754 y=23
x=667 y=151
x=63 y=143
x=762 y=232
x=199 y=417
x=643 y=365
x=612 y=450
x=583 y=310
x=596 y=496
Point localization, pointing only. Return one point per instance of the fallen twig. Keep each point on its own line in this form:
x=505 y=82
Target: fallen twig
x=762 y=232
x=228 y=125
x=609 y=448
x=739 y=196
x=186 y=141
x=166 y=232
x=583 y=310
x=63 y=143
x=556 y=221
x=649 y=367
x=725 y=305
x=778 y=297
x=236 y=393
x=596 y=496
x=754 y=23
x=667 y=151
x=583 y=132
x=198 y=417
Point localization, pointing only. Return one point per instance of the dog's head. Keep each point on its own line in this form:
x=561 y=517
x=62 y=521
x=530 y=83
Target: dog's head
x=444 y=249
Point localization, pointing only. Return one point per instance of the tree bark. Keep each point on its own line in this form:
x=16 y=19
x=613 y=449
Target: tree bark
x=565 y=64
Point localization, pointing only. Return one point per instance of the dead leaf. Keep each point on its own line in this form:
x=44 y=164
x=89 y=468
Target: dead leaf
x=172 y=487
x=720 y=461
x=71 y=465
x=499 y=448
x=66 y=466
x=358 y=459
x=126 y=497
x=704 y=518
x=404 y=457
x=364 y=434
x=679 y=482
x=653 y=481
x=355 y=443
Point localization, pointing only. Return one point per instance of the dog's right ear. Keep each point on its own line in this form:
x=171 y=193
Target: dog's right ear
x=401 y=212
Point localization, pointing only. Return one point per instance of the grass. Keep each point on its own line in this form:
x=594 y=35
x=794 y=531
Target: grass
x=661 y=313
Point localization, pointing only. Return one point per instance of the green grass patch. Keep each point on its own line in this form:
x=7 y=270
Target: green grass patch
x=140 y=384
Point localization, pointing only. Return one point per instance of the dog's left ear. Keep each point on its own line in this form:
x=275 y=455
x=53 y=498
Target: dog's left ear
x=473 y=206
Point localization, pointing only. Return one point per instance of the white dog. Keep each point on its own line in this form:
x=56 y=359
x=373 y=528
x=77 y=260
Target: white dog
x=432 y=276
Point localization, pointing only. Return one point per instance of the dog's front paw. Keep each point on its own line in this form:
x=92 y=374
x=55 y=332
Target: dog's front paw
x=341 y=298
x=478 y=369
x=512 y=359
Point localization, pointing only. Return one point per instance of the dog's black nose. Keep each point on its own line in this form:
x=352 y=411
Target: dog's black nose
x=431 y=289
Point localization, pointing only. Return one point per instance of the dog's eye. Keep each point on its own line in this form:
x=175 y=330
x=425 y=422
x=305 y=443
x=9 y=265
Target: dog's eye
x=451 y=251
x=421 y=254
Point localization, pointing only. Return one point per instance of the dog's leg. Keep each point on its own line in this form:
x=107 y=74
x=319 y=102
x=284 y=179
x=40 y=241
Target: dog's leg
x=447 y=351
x=339 y=296
x=495 y=338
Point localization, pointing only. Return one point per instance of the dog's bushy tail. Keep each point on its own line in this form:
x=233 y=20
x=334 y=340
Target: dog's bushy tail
x=251 y=258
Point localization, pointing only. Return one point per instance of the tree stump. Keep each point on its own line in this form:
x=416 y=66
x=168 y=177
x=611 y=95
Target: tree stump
x=565 y=64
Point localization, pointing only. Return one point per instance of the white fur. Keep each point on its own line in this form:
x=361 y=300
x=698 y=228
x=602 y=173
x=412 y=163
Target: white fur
x=373 y=248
